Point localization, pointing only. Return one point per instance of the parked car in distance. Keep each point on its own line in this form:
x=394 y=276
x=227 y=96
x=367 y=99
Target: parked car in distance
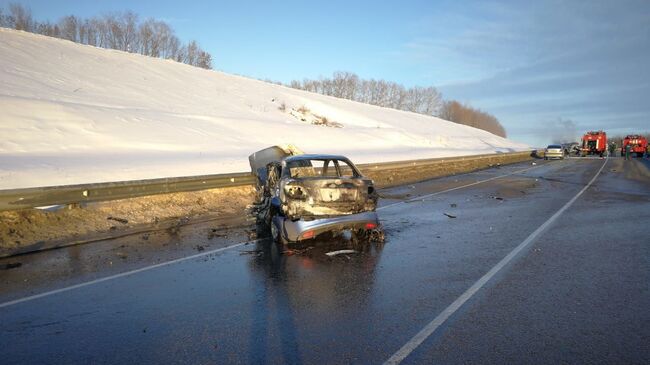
x=303 y=195
x=554 y=151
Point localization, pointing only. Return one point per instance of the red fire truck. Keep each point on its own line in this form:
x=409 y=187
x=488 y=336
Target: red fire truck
x=639 y=144
x=594 y=143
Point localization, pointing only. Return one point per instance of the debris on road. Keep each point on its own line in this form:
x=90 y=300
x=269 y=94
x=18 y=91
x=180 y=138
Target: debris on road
x=497 y=197
x=199 y=248
x=145 y=236
x=117 y=219
x=214 y=232
x=11 y=265
x=453 y=205
x=449 y=215
x=339 y=252
x=534 y=163
x=121 y=255
x=291 y=252
x=251 y=252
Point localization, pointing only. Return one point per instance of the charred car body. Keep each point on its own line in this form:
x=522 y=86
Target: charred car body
x=301 y=196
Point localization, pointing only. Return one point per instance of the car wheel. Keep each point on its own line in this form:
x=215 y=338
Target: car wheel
x=276 y=234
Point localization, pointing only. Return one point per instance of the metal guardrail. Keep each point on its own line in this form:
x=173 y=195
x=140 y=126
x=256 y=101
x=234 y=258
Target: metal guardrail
x=14 y=199
x=431 y=161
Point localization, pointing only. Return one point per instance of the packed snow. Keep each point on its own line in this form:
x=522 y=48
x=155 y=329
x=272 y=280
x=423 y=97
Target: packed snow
x=74 y=114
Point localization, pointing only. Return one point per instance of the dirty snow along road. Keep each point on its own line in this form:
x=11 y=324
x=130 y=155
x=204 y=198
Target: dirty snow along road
x=577 y=294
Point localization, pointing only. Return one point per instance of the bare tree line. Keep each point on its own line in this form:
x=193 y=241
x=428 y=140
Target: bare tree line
x=422 y=100
x=456 y=112
x=121 y=31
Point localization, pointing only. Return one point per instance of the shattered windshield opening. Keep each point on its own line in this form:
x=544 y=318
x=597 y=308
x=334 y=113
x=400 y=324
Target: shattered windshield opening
x=321 y=168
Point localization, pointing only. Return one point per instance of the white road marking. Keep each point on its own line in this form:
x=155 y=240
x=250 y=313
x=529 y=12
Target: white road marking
x=457 y=188
x=430 y=328
x=127 y=273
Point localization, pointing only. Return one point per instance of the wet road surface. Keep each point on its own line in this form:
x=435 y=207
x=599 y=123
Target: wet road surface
x=579 y=293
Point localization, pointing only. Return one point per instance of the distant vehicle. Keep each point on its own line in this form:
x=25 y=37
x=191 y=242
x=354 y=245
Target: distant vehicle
x=639 y=144
x=554 y=151
x=571 y=147
x=594 y=143
x=301 y=196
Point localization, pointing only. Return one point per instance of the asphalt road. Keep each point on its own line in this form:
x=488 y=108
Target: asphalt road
x=577 y=291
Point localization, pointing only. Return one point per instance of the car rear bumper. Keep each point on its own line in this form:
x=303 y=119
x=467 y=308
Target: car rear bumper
x=551 y=154
x=294 y=230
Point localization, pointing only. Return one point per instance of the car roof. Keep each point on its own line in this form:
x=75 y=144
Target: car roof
x=315 y=157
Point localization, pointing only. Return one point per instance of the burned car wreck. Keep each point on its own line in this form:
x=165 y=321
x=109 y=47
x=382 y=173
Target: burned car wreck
x=300 y=196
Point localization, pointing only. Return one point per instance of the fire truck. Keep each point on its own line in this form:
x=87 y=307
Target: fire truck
x=639 y=144
x=594 y=143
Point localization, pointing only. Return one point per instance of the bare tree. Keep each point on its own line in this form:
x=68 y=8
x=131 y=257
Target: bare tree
x=295 y=84
x=146 y=34
x=129 y=23
x=48 y=29
x=20 y=18
x=204 y=60
x=191 y=53
x=69 y=26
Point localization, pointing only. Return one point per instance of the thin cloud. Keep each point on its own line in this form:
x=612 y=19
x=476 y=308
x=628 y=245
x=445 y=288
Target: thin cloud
x=534 y=62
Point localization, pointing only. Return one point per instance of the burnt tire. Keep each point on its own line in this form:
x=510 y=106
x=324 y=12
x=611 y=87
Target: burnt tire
x=276 y=234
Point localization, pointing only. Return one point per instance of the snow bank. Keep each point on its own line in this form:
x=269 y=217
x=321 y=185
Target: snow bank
x=77 y=114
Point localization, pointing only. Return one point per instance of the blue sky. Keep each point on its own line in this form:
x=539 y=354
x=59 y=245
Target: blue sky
x=545 y=68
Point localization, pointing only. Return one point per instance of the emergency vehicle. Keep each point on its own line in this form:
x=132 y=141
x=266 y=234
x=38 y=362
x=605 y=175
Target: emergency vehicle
x=594 y=143
x=639 y=144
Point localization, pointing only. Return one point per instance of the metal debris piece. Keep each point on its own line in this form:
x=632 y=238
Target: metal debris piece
x=214 y=232
x=250 y=252
x=290 y=252
x=449 y=215
x=11 y=265
x=121 y=220
x=339 y=252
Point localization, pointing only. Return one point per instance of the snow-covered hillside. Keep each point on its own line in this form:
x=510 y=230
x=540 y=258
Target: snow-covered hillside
x=74 y=114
